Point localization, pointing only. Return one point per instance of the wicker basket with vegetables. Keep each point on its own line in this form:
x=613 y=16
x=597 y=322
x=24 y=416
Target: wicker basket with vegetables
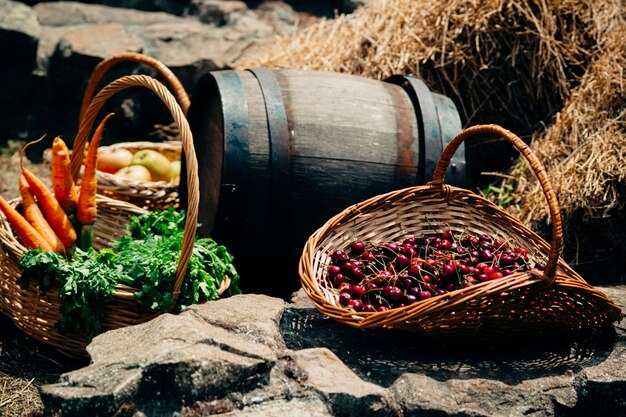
x=147 y=188
x=74 y=263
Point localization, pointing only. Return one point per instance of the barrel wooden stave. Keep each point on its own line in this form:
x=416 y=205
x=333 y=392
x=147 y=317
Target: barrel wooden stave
x=350 y=138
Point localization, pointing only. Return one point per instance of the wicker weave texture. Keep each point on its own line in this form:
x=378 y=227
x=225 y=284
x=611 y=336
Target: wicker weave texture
x=37 y=313
x=151 y=195
x=557 y=301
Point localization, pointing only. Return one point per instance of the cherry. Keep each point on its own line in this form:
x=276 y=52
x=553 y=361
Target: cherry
x=414 y=291
x=347 y=268
x=486 y=255
x=357 y=274
x=392 y=293
x=368 y=257
x=357 y=247
x=409 y=299
x=345 y=287
x=489 y=270
x=408 y=251
x=483 y=277
x=424 y=295
x=444 y=245
x=356 y=305
x=402 y=262
x=496 y=275
x=341 y=258
x=339 y=279
x=358 y=291
x=333 y=270
x=344 y=298
x=385 y=275
x=368 y=308
x=447 y=271
x=507 y=259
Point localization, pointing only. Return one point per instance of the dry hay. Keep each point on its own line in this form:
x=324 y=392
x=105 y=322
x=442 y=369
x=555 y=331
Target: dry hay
x=512 y=62
x=584 y=150
x=522 y=64
x=18 y=396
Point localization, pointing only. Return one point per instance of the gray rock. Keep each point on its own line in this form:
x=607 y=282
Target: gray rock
x=347 y=393
x=69 y=13
x=256 y=316
x=163 y=364
x=79 y=36
x=219 y=12
x=227 y=358
x=300 y=301
x=422 y=395
x=19 y=33
x=301 y=407
x=282 y=18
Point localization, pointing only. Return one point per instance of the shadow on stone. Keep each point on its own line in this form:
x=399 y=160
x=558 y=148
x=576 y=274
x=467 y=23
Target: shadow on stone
x=381 y=356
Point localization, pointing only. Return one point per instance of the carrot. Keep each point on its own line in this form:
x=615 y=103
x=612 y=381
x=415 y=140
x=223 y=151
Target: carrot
x=86 y=209
x=30 y=237
x=52 y=210
x=62 y=181
x=34 y=216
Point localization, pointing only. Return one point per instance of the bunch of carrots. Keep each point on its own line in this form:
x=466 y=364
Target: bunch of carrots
x=50 y=219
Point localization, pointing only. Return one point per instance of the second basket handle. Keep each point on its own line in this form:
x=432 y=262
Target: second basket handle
x=107 y=63
x=191 y=161
x=555 y=213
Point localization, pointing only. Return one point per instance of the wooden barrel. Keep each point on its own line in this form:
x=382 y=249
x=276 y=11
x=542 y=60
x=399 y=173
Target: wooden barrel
x=280 y=151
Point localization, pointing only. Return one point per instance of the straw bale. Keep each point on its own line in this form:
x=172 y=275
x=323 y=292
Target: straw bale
x=511 y=62
x=584 y=149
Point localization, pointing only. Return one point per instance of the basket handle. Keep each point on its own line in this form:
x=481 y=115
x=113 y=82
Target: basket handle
x=106 y=64
x=555 y=212
x=191 y=162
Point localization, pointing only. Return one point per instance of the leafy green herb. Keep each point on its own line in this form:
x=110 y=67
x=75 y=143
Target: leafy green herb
x=147 y=259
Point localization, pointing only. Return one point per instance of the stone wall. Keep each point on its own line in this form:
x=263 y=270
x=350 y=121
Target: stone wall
x=48 y=50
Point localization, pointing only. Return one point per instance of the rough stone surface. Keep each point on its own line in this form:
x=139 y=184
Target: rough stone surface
x=163 y=364
x=219 y=12
x=19 y=33
x=258 y=317
x=256 y=355
x=76 y=36
x=346 y=392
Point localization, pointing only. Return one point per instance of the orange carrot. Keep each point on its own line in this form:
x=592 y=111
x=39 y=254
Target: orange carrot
x=27 y=233
x=52 y=210
x=86 y=208
x=62 y=181
x=34 y=216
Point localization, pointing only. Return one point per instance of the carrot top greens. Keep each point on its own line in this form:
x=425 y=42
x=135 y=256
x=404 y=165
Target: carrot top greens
x=146 y=259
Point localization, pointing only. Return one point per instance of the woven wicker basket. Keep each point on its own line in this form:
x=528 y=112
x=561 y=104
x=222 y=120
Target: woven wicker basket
x=557 y=302
x=37 y=313
x=152 y=195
